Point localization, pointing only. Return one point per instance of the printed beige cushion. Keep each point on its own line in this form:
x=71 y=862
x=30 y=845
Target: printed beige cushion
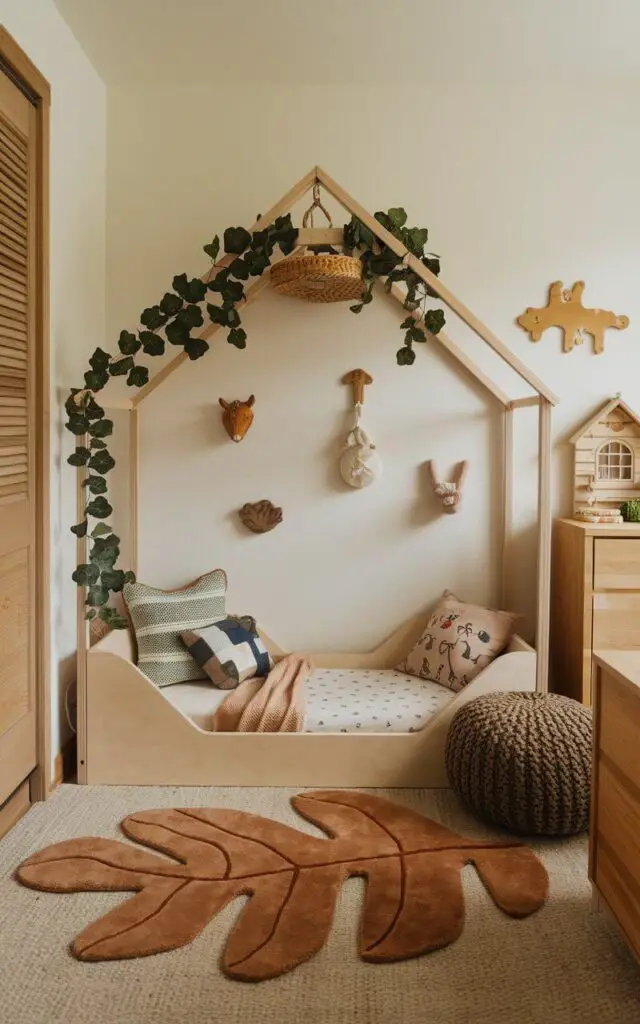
x=160 y=616
x=458 y=642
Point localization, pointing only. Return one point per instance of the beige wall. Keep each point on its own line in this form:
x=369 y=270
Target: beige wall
x=78 y=140
x=519 y=187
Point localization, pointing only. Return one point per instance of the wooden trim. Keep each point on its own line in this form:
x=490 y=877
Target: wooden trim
x=23 y=68
x=445 y=294
x=543 y=617
x=82 y=627
x=27 y=76
x=508 y=475
x=453 y=349
x=14 y=808
x=523 y=403
x=134 y=477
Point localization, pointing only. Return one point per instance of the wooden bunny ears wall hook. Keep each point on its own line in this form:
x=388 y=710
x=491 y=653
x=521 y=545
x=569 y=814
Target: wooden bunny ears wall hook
x=237 y=417
x=450 y=494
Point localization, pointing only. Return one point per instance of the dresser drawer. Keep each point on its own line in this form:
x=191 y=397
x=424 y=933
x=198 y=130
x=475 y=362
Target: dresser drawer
x=616 y=621
x=618 y=728
x=618 y=821
x=621 y=893
x=616 y=563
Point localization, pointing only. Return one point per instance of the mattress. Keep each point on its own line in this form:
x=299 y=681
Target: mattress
x=338 y=700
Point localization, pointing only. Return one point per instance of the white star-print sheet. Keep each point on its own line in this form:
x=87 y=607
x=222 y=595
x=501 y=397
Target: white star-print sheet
x=338 y=700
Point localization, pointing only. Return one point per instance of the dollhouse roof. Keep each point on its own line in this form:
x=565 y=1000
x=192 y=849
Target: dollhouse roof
x=615 y=403
x=464 y=361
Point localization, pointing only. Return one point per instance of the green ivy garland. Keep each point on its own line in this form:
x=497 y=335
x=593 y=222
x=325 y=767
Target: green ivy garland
x=178 y=314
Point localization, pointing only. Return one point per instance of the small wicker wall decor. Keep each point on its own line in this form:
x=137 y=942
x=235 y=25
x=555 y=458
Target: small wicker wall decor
x=260 y=516
x=319 y=276
x=564 y=309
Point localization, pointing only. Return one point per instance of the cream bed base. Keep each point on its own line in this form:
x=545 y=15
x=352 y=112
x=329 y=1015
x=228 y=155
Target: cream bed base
x=134 y=736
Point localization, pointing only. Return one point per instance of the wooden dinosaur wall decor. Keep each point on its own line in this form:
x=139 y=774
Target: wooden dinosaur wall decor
x=565 y=310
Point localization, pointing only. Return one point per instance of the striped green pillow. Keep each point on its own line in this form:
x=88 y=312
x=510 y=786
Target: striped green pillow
x=160 y=616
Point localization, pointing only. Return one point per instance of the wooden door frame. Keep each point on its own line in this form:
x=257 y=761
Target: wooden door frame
x=14 y=60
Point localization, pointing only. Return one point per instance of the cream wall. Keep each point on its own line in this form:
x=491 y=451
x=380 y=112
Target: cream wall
x=519 y=185
x=78 y=169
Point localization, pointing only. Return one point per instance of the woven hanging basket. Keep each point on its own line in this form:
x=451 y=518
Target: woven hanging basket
x=319 y=278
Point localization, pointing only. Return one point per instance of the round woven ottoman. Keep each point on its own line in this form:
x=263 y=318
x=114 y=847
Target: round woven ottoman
x=523 y=761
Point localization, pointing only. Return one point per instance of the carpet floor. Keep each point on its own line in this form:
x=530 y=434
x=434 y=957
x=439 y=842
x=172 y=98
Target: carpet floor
x=563 y=965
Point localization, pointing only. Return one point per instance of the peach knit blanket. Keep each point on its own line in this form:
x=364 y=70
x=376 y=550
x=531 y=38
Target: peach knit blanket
x=273 y=704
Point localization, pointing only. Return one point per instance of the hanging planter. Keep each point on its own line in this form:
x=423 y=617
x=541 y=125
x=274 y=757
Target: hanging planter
x=319 y=277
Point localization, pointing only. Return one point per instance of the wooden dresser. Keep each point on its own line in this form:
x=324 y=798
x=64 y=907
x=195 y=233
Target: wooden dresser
x=614 y=834
x=595 y=599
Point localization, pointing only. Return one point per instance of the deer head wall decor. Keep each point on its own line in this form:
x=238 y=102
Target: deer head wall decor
x=237 y=417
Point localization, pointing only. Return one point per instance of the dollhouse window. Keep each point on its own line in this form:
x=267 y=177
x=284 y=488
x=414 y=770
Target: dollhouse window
x=614 y=461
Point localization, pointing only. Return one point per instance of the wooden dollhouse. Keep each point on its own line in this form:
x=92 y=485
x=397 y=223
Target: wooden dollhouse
x=607 y=458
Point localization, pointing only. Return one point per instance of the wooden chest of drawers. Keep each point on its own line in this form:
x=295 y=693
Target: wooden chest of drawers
x=595 y=601
x=614 y=834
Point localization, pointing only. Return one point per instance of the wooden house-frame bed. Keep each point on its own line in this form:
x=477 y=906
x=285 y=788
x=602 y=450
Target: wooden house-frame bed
x=130 y=734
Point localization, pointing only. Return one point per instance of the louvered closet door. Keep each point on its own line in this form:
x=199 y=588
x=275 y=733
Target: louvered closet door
x=17 y=438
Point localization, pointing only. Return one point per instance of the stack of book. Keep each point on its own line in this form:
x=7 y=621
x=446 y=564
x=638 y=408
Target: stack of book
x=595 y=514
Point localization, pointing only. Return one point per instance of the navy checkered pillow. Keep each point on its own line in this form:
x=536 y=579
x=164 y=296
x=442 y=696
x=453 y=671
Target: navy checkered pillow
x=229 y=650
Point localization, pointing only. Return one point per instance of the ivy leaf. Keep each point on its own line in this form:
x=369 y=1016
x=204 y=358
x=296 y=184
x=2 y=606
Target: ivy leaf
x=153 y=318
x=196 y=347
x=121 y=366
x=170 y=304
x=129 y=576
x=233 y=292
x=415 y=333
x=238 y=337
x=177 y=333
x=434 y=320
x=416 y=239
x=217 y=314
x=77 y=425
x=85 y=575
x=239 y=269
x=102 y=462
x=99 y=508
x=80 y=529
x=79 y=457
x=101 y=428
x=96 y=485
x=257 y=262
x=152 y=343
x=100 y=530
x=432 y=263
x=97 y=595
x=397 y=216
x=112 y=618
x=112 y=579
x=212 y=248
x=407 y=323
x=383 y=263
x=96 y=379
x=100 y=360
x=191 y=316
x=219 y=282
x=236 y=240
x=138 y=377
x=90 y=614
x=233 y=317
x=92 y=410
x=128 y=343
x=358 y=308
x=96 y=442
x=405 y=356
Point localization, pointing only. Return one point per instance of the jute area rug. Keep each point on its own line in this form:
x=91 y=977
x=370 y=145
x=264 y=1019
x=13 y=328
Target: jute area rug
x=559 y=965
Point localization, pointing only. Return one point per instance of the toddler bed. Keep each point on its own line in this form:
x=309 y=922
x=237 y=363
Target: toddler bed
x=132 y=733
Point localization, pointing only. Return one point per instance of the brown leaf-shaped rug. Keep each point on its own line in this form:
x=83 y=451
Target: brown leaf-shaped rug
x=413 y=866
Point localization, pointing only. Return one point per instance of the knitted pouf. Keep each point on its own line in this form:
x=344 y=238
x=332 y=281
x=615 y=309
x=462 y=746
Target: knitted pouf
x=523 y=761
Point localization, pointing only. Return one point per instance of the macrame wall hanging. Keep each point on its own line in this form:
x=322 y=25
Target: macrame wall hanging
x=360 y=463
